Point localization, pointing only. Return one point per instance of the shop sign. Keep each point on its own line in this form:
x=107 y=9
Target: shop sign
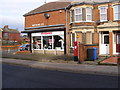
x=46 y=33
x=36 y=25
x=61 y=33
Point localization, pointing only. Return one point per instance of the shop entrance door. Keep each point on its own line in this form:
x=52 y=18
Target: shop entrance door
x=118 y=43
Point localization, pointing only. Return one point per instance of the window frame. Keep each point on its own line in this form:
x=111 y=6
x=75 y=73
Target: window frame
x=88 y=14
x=105 y=13
x=77 y=14
x=116 y=12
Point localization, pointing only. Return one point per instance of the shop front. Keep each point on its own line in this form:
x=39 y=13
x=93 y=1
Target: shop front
x=48 y=42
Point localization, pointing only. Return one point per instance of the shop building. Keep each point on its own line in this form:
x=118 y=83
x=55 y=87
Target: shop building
x=46 y=27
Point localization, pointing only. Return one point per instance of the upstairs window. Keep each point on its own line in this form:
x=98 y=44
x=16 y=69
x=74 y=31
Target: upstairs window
x=88 y=14
x=103 y=13
x=117 y=12
x=78 y=14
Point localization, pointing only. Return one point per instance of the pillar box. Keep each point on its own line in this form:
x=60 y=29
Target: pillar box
x=75 y=51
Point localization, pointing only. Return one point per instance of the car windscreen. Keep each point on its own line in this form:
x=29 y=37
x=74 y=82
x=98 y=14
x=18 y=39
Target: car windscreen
x=22 y=45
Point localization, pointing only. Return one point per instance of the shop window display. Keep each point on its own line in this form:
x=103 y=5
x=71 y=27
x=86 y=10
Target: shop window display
x=58 y=42
x=48 y=40
x=37 y=42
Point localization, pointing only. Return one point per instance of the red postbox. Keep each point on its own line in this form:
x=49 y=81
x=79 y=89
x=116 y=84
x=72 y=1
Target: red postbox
x=75 y=51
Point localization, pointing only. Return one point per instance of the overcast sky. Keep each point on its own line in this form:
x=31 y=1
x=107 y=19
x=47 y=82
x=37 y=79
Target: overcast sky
x=12 y=11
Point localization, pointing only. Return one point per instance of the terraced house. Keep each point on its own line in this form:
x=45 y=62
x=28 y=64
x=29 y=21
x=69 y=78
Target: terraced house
x=54 y=26
x=96 y=24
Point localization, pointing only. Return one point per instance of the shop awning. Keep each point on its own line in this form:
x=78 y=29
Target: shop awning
x=44 y=30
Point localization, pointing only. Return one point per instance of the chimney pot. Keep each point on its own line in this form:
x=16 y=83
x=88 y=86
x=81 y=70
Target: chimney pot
x=6 y=26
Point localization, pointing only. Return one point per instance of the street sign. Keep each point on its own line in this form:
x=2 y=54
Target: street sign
x=77 y=36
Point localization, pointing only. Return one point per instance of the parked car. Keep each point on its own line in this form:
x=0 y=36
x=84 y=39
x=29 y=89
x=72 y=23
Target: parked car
x=24 y=47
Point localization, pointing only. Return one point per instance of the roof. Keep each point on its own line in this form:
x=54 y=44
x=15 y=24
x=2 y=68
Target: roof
x=48 y=7
x=6 y=29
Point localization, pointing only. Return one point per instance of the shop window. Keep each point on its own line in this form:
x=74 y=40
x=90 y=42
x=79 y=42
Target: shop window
x=37 y=42
x=58 y=42
x=116 y=12
x=103 y=13
x=47 y=42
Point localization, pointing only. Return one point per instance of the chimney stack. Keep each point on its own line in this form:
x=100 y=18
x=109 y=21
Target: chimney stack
x=6 y=26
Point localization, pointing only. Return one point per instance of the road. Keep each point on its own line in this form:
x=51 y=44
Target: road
x=16 y=76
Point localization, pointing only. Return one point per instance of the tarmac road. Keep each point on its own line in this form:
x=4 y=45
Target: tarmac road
x=16 y=76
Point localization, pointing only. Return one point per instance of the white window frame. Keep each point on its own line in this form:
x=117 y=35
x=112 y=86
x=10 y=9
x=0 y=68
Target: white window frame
x=77 y=14
x=116 y=12
x=105 y=13
x=71 y=45
x=90 y=14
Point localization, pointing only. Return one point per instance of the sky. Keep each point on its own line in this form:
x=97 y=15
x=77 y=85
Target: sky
x=12 y=11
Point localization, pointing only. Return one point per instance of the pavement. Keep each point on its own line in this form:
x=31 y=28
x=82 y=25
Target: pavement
x=67 y=67
x=111 y=60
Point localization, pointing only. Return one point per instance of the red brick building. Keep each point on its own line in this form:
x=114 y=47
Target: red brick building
x=46 y=27
x=10 y=35
x=96 y=24
x=53 y=27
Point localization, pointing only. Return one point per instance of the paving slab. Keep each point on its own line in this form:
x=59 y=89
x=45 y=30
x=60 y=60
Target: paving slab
x=77 y=68
x=111 y=60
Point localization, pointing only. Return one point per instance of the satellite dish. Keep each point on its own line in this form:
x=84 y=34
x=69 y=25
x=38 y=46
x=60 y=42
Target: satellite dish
x=47 y=15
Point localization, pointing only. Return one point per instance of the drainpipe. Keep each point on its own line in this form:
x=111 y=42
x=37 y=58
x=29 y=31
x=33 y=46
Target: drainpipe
x=66 y=32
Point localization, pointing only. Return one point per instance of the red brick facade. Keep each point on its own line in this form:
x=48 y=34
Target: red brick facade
x=10 y=35
x=56 y=17
x=89 y=32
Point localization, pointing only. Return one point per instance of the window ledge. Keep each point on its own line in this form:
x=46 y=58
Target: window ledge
x=115 y=20
x=104 y=21
x=81 y=21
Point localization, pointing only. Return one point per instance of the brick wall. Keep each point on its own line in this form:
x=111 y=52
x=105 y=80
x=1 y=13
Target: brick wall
x=12 y=36
x=83 y=51
x=56 y=17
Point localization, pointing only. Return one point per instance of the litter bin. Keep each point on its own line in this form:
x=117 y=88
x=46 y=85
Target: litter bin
x=92 y=53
